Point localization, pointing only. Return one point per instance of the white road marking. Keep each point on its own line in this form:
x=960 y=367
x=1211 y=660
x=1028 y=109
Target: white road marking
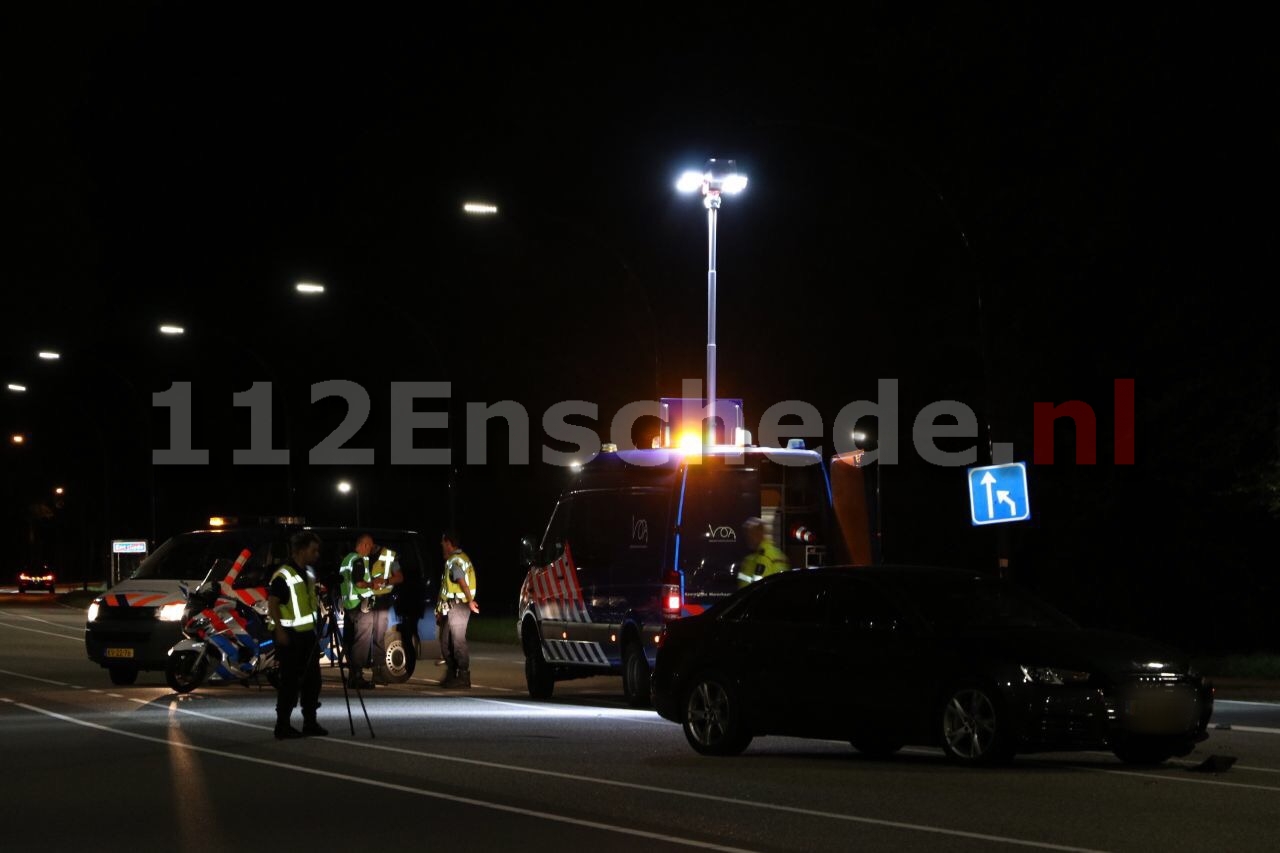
x=386 y=786
x=635 y=786
x=4 y=624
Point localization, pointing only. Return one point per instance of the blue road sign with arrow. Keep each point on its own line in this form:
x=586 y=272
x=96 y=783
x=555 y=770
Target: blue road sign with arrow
x=998 y=493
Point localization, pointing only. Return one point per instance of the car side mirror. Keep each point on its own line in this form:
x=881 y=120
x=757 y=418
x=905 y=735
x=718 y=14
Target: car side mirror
x=528 y=552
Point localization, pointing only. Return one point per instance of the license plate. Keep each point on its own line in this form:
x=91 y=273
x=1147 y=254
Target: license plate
x=1162 y=714
x=119 y=653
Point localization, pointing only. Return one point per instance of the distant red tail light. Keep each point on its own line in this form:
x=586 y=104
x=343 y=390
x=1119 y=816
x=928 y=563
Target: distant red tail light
x=672 y=598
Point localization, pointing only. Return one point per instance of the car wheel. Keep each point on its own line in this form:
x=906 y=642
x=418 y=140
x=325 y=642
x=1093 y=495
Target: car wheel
x=974 y=726
x=873 y=746
x=122 y=675
x=1146 y=750
x=635 y=675
x=186 y=671
x=400 y=660
x=538 y=675
x=714 y=717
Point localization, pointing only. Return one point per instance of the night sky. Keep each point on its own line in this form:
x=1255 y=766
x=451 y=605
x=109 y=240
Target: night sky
x=1101 y=186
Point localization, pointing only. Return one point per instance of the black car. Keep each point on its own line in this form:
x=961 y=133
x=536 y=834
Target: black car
x=38 y=579
x=887 y=656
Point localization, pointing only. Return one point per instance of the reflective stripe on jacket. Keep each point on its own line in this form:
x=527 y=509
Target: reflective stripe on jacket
x=453 y=589
x=299 y=612
x=348 y=589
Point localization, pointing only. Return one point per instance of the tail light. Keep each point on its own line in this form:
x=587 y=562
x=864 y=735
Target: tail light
x=803 y=534
x=672 y=596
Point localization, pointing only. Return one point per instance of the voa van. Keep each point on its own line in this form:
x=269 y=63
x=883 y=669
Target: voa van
x=642 y=537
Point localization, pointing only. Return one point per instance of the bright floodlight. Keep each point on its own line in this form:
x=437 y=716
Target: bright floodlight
x=734 y=183
x=477 y=208
x=49 y=355
x=309 y=287
x=14 y=386
x=344 y=487
x=59 y=491
x=172 y=330
x=689 y=182
x=18 y=438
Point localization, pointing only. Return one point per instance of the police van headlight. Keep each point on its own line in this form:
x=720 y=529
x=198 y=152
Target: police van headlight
x=93 y=611
x=171 y=612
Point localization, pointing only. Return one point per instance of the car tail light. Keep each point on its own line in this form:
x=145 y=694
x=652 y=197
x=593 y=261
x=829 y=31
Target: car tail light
x=672 y=597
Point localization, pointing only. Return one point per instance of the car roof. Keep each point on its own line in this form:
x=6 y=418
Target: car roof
x=892 y=572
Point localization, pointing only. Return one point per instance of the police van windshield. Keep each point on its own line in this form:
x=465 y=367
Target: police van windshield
x=792 y=502
x=190 y=556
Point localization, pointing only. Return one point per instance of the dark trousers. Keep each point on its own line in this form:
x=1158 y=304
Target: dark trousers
x=361 y=639
x=299 y=675
x=456 y=653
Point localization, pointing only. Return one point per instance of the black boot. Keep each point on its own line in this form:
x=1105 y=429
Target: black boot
x=310 y=728
x=450 y=677
x=462 y=680
x=284 y=731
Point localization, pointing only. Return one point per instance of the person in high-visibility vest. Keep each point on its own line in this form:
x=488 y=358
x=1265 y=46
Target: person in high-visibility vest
x=292 y=606
x=763 y=558
x=356 y=627
x=459 y=586
x=381 y=575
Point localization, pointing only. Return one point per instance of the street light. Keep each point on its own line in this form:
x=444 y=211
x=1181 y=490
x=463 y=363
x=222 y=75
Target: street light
x=18 y=438
x=717 y=177
x=59 y=491
x=172 y=330
x=49 y=355
x=309 y=287
x=478 y=208
x=16 y=388
x=345 y=488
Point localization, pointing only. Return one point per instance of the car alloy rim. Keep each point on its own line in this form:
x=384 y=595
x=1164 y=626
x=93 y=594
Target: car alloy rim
x=708 y=713
x=969 y=723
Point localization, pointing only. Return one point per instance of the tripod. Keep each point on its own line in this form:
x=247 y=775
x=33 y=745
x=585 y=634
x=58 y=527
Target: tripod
x=335 y=640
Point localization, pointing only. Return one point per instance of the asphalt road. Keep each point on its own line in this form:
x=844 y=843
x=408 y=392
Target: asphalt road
x=91 y=766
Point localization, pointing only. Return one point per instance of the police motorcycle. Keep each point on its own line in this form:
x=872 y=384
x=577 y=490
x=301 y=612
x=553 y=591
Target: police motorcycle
x=225 y=632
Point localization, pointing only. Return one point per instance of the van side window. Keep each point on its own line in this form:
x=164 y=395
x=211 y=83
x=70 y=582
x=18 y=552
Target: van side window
x=622 y=532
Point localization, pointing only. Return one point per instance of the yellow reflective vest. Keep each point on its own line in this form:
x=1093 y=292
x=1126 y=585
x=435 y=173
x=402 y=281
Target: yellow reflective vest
x=380 y=568
x=766 y=560
x=299 y=612
x=453 y=589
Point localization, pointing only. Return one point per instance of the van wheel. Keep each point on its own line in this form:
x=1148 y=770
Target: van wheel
x=122 y=675
x=538 y=675
x=399 y=661
x=635 y=675
x=714 y=718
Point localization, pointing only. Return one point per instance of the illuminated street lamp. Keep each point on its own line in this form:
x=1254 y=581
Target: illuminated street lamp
x=59 y=491
x=49 y=355
x=18 y=438
x=309 y=287
x=716 y=178
x=479 y=208
x=346 y=487
x=16 y=388
x=172 y=330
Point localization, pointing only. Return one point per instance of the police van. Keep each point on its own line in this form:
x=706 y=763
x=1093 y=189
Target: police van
x=132 y=626
x=642 y=537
